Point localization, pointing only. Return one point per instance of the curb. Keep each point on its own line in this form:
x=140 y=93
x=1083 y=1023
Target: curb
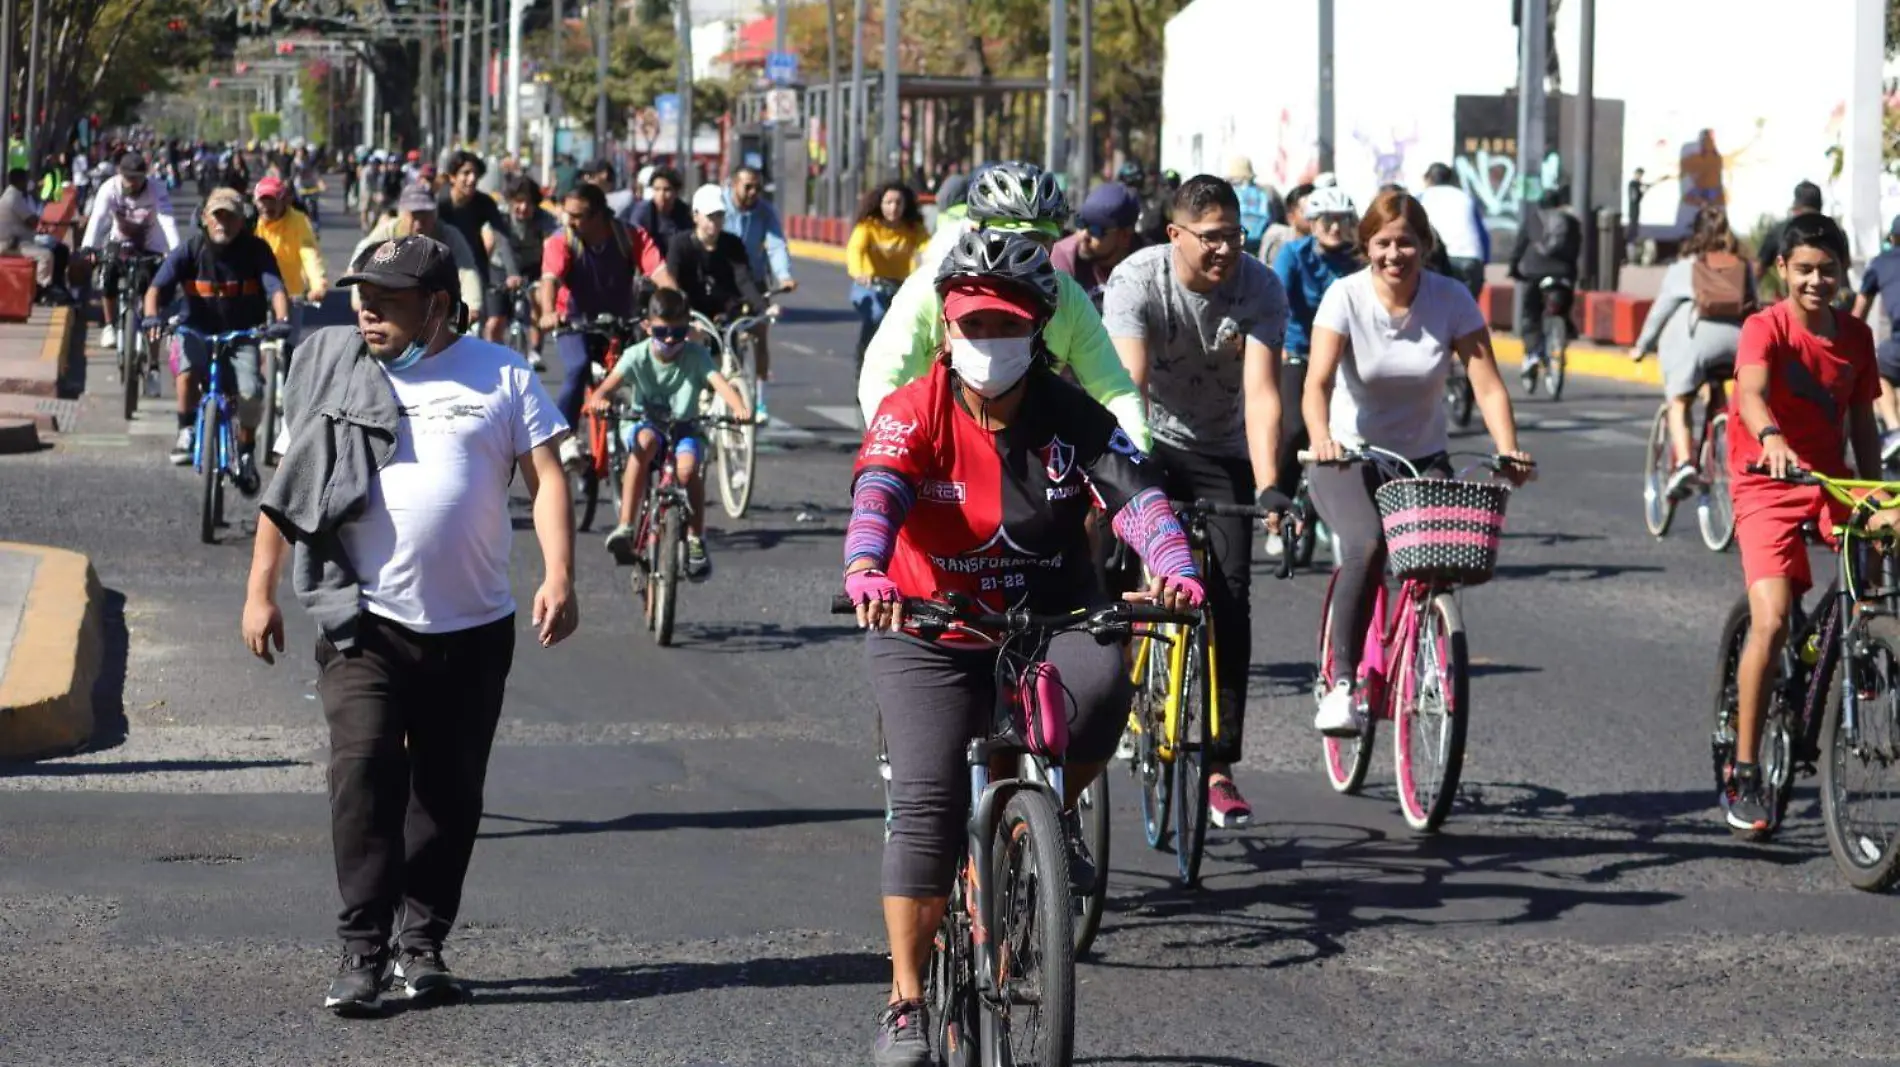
x=46 y=685
x=823 y=253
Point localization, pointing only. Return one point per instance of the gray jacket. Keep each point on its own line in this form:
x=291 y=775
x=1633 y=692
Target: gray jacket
x=1689 y=346
x=340 y=417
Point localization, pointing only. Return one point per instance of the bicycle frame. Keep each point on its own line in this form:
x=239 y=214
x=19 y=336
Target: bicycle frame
x=1178 y=644
x=1845 y=605
x=218 y=348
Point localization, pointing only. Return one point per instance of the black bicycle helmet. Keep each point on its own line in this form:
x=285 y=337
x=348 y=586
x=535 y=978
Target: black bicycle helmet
x=1001 y=257
x=1016 y=192
x=1130 y=173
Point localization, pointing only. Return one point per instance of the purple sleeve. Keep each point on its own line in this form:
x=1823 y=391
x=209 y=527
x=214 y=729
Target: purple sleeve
x=1147 y=524
x=879 y=502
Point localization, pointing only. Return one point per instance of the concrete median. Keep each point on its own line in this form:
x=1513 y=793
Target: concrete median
x=51 y=646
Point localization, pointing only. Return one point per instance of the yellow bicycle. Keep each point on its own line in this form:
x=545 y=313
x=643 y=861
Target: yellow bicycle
x=1175 y=721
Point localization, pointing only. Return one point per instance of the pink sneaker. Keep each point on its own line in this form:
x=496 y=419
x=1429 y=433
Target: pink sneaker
x=1226 y=806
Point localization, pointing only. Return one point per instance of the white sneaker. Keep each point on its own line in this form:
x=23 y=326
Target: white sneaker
x=181 y=448
x=108 y=336
x=1275 y=547
x=536 y=363
x=1338 y=712
x=572 y=457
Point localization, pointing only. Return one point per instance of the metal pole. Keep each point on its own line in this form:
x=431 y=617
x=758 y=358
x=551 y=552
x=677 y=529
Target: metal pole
x=517 y=12
x=778 y=28
x=893 y=147
x=32 y=79
x=1054 y=150
x=550 y=119
x=1326 y=85
x=858 y=138
x=605 y=27
x=1530 y=118
x=484 y=126
x=426 y=92
x=450 y=71
x=1586 y=137
x=1085 y=108
x=7 y=12
x=832 y=110
x=466 y=104
x=683 y=8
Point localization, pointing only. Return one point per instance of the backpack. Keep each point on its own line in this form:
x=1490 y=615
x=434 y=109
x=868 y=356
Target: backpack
x=1719 y=286
x=1559 y=239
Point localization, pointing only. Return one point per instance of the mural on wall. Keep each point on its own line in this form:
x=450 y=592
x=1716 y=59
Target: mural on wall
x=1388 y=155
x=1701 y=169
x=1289 y=169
x=1484 y=132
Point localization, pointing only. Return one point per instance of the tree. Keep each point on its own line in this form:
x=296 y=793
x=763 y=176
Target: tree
x=105 y=56
x=642 y=65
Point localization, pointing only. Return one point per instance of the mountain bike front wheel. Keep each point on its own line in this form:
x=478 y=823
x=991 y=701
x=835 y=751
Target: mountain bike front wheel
x=131 y=374
x=1154 y=775
x=1193 y=765
x=950 y=984
x=1033 y=1022
x=1092 y=811
x=666 y=575
x=211 y=467
x=736 y=456
x=1431 y=707
x=1659 y=508
x=1860 y=796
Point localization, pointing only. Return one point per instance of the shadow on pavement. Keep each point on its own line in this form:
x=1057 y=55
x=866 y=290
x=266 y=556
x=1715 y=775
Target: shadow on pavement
x=141 y=766
x=635 y=981
x=1513 y=855
x=798 y=316
x=742 y=637
x=765 y=537
x=108 y=691
x=1186 y=1061
x=647 y=821
x=1573 y=572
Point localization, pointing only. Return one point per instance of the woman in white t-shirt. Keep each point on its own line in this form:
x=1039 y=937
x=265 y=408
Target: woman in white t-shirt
x=1387 y=334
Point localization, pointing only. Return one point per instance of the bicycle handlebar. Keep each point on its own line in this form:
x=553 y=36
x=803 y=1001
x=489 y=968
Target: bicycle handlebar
x=1218 y=508
x=275 y=331
x=1497 y=463
x=602 y=326
x=957 y=609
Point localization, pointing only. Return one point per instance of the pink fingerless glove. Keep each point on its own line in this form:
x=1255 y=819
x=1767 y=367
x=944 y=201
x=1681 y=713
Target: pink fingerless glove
x=863 y=587
x=1190 y=588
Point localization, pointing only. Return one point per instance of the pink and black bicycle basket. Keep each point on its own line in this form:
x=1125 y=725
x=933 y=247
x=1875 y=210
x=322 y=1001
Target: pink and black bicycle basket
x=1442 y=530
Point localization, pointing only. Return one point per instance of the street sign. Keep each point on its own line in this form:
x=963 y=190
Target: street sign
x=781 y=68
x=781 y=105
x=668 y=106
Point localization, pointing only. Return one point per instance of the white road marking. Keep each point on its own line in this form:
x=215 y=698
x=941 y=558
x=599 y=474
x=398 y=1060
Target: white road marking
x=843 y=414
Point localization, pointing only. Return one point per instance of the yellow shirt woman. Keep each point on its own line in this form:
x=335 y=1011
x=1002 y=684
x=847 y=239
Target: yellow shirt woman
x=881 y=253
x=878 y=249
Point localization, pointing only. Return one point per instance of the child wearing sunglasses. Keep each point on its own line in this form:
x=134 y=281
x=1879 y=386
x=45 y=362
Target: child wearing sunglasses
x=666 y=378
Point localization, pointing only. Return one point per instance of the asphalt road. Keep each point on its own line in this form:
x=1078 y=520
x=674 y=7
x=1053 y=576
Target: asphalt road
x=679 y=864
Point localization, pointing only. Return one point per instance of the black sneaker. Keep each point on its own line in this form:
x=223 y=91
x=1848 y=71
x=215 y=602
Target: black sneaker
x=247 y=480
x=1081 y=864
x=698 y=563
x=903 y=1038
x=358 y=987
x=425 y=977
x=1742 y=802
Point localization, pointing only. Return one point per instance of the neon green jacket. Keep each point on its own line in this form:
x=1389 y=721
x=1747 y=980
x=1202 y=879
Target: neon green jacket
x=908 y=340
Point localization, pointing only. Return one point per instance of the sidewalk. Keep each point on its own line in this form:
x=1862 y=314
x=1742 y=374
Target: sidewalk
x=36 y=377
x=50 y=650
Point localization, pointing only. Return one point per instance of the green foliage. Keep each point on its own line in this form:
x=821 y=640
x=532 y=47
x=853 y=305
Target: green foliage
x=642 y=65
x=265 y=124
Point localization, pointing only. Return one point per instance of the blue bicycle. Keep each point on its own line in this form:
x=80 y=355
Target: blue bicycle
x=214 y=447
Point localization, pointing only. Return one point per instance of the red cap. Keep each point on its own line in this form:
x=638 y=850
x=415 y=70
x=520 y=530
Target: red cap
x=969 y=296
x=271 y=187
x=414 y=154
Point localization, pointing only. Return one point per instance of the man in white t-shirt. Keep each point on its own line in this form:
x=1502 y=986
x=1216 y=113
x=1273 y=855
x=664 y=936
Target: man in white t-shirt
x=401 y=498
x=1459 y=224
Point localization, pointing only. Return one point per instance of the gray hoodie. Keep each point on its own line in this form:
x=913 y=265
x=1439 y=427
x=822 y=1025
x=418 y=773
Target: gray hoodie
x=340 y=417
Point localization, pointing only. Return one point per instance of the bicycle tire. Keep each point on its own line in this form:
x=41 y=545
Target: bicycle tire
x=1308 y=538
x=1716 y=515
x=1866 y=863
x=1459 y=399
x=737 y=457
x=587 y=492
x=1031 y=905
x=1441 y=635
x=1154 y=776
x=210 y=468
x=1659 y=510
x=1347 y=758
x=267 y=420
x=1193 y=770
x=950 y=984
x=1092 y=808
x=131 y=379
x=1556 y=344
x=667 y=576
x=1728 y=656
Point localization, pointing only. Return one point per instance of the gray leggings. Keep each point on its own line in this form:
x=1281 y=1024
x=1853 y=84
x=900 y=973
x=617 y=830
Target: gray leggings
x=933 y=699
x=1343 y=496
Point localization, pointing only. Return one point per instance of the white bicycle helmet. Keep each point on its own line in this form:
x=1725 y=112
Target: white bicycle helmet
x=1328 y=200
x=1005 y=257
x=1016 y=192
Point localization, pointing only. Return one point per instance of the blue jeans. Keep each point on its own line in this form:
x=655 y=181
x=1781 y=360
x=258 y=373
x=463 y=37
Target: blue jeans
x=576 y=356
x=871 y=306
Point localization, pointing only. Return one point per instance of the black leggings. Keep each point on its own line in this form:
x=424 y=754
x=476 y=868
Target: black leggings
x=1343 y=496
x=1198 y=476
x=932 y=700
x=1292 y=423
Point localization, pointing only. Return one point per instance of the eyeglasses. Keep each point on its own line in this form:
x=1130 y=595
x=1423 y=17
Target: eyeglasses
x=1212 y=240
x=671 y=335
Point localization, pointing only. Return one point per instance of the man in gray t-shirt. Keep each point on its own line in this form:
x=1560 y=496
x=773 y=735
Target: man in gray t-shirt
x=1199 y=325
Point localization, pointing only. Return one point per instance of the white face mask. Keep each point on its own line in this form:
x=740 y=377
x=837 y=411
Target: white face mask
x=992 y=366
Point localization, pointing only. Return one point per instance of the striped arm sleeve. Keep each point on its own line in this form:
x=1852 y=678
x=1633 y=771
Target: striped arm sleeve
x=879 y=502
x=1148 y=524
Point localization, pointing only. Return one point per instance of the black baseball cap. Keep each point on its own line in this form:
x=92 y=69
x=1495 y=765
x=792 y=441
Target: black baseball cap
x=412 y=262
x=132 y=165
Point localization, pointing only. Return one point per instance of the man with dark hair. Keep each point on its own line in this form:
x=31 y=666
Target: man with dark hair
x=1807 y=201
x=1458 y=224
x=709 y=264
x=399 y=513
x=1105 y=237
x=527 y=229
x=1549 y=245
x=663 y=214
x=418 y=214
x=1199 y=325
x=594 y=269
x=620 y=202
x=474 y=214
x=19 y=235
x=756 y=222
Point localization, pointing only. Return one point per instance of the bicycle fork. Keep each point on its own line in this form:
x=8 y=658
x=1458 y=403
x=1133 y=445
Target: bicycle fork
x=988 y=795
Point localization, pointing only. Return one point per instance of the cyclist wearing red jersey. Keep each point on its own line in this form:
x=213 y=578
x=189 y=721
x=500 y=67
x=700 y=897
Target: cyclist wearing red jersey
x=977 y=479
x=1804 y=369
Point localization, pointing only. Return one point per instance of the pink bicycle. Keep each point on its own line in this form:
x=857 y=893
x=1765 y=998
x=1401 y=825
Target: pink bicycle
x=1441 y=534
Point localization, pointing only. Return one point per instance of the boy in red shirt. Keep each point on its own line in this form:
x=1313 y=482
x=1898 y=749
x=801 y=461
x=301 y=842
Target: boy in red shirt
x=1805 y=372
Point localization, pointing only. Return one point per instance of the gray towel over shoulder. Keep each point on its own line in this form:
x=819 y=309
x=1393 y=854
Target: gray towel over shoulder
x=340 y=418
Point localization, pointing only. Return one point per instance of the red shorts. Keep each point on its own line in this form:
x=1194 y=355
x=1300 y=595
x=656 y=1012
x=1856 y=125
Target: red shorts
x=1768 y=530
